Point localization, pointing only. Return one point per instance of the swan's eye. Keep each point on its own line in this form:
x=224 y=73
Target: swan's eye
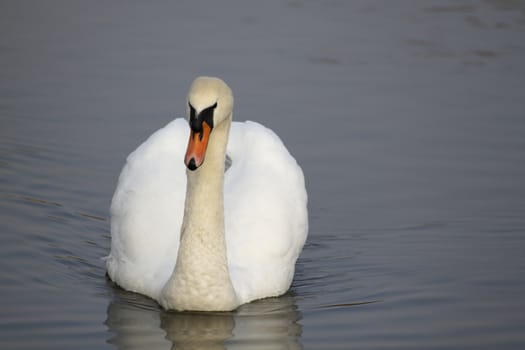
x=192 y=111
x=195 y=124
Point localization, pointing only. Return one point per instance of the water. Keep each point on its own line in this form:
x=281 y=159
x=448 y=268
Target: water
x=407 y=117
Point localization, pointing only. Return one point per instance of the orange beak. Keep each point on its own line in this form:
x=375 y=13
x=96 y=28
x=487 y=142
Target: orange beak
x=197 y=147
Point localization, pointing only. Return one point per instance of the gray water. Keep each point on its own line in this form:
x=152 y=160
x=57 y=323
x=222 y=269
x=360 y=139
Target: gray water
x=408 y=118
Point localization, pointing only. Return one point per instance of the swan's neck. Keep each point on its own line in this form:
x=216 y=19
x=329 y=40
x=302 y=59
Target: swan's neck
x=201 y=279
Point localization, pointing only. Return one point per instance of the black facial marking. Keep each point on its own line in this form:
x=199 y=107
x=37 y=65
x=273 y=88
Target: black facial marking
x=192 y=111
x=206 y=116
x=195 y=124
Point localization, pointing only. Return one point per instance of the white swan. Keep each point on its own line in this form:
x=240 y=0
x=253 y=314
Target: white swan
x=202 y=238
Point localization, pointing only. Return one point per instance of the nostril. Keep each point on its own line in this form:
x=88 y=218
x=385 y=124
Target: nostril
x=191 y=164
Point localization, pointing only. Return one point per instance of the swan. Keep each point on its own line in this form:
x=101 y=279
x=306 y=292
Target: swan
x=211 y=223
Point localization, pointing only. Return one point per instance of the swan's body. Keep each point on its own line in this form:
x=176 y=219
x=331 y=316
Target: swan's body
x=203 y=238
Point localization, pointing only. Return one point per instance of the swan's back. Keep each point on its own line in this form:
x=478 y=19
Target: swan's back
x=146 y=212
x=265 y=212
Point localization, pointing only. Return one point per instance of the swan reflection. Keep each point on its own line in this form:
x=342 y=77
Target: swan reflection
x=137 y=322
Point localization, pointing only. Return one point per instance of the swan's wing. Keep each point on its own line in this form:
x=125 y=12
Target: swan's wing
x=147 y=210
x=265 y=212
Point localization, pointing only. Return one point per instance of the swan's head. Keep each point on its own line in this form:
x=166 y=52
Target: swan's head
x=210 y=102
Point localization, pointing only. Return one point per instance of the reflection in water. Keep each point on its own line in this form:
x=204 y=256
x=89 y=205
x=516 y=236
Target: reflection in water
x=198 y=330
x=137 y=322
